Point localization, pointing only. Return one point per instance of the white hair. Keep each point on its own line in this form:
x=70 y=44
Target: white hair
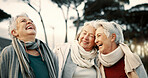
x=110 y=28
x=90 y=23
x=12 y=23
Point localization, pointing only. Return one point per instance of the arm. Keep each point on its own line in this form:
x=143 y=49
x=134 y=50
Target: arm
x=141 y=72
x=4 y=64
x=61 y=52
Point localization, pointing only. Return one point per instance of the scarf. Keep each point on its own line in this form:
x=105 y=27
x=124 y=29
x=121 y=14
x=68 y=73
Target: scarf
x=131 y=61
x=110 y=59
x=81 y=57
x=45 y=52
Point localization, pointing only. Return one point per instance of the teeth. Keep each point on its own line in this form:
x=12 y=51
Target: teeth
x=86 y=42
x=29 y=28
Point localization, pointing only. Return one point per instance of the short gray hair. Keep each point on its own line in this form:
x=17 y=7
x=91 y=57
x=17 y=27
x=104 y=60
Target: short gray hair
x=12 y=22
x=110 y=28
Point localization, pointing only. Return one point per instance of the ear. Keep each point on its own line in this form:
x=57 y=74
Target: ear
x=113 y=38
x=14 y=33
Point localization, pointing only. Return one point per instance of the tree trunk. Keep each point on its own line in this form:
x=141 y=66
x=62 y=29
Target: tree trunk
x=78 y=22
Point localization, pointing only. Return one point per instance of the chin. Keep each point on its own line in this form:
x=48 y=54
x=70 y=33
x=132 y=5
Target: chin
x=33 y=33
x=101 y=51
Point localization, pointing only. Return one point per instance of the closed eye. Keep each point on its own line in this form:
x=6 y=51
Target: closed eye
x=98 y=35
x=92 y=36
x=24 y=20
x=30 y=20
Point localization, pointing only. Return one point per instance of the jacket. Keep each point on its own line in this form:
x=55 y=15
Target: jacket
x=63 y=53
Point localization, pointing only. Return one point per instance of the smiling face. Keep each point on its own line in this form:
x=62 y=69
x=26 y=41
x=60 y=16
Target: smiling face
x=105 y=44
x=87 y=38
x=25 y=29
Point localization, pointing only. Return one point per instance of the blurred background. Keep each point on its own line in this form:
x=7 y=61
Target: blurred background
x=58 y=21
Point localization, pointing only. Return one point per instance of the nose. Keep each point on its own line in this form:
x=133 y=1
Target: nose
x=86 y=37
x=96 y=41
x=29 y=22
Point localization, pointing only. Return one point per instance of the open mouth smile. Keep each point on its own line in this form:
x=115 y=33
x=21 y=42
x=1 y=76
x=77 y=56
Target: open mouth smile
x=29 y=27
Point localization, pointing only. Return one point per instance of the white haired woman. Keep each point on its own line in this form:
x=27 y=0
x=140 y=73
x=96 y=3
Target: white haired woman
x=26 y=57
x=77 y=58
x=117 y=60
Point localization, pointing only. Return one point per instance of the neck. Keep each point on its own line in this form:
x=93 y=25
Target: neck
x=114 y=46
x=87 y=49
x=33 y=52
x=27 y=39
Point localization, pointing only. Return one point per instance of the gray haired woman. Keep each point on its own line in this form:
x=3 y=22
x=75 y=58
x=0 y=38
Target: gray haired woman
x=117 y=60
x=77 y=58
x=26 y=57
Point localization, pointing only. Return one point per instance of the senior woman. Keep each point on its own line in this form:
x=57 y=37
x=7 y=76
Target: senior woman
x=117 y=60
x=76 y=59
x=26 y=57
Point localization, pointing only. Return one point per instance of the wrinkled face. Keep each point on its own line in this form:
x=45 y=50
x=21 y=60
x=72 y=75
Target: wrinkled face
x=24 y=28
x=87 y=38
x=103 y=43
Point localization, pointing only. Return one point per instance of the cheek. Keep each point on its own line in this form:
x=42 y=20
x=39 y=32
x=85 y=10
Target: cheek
x=92 y=41
x=35 y=26
x=103 y=38
x=107 y=45
x=98 y=39
x=80 y=38
x=79 y=41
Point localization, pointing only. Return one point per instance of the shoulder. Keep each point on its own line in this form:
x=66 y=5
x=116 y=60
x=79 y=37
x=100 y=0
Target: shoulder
x=7 y=53
x=137 y=57
x=61 y=47
x=7 y=50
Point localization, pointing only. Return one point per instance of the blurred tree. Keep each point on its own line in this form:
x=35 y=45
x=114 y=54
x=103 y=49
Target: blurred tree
x=99 y=9
x=67 y=4
x=38 y=10
x=76 y=4
x=137 y=30
x=3 y=15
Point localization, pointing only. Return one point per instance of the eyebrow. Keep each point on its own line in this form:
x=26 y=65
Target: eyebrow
x=98 y=33
x=25 y=19
x=89 y=33
x=30 y=19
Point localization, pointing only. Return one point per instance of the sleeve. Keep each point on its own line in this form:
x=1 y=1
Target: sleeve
x=60 y=53
x=61 y=48
x=141 y=70
x=55 y=51
x=57 y=65
x=4 y=63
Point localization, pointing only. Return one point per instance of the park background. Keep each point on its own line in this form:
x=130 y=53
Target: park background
x=58 y=21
